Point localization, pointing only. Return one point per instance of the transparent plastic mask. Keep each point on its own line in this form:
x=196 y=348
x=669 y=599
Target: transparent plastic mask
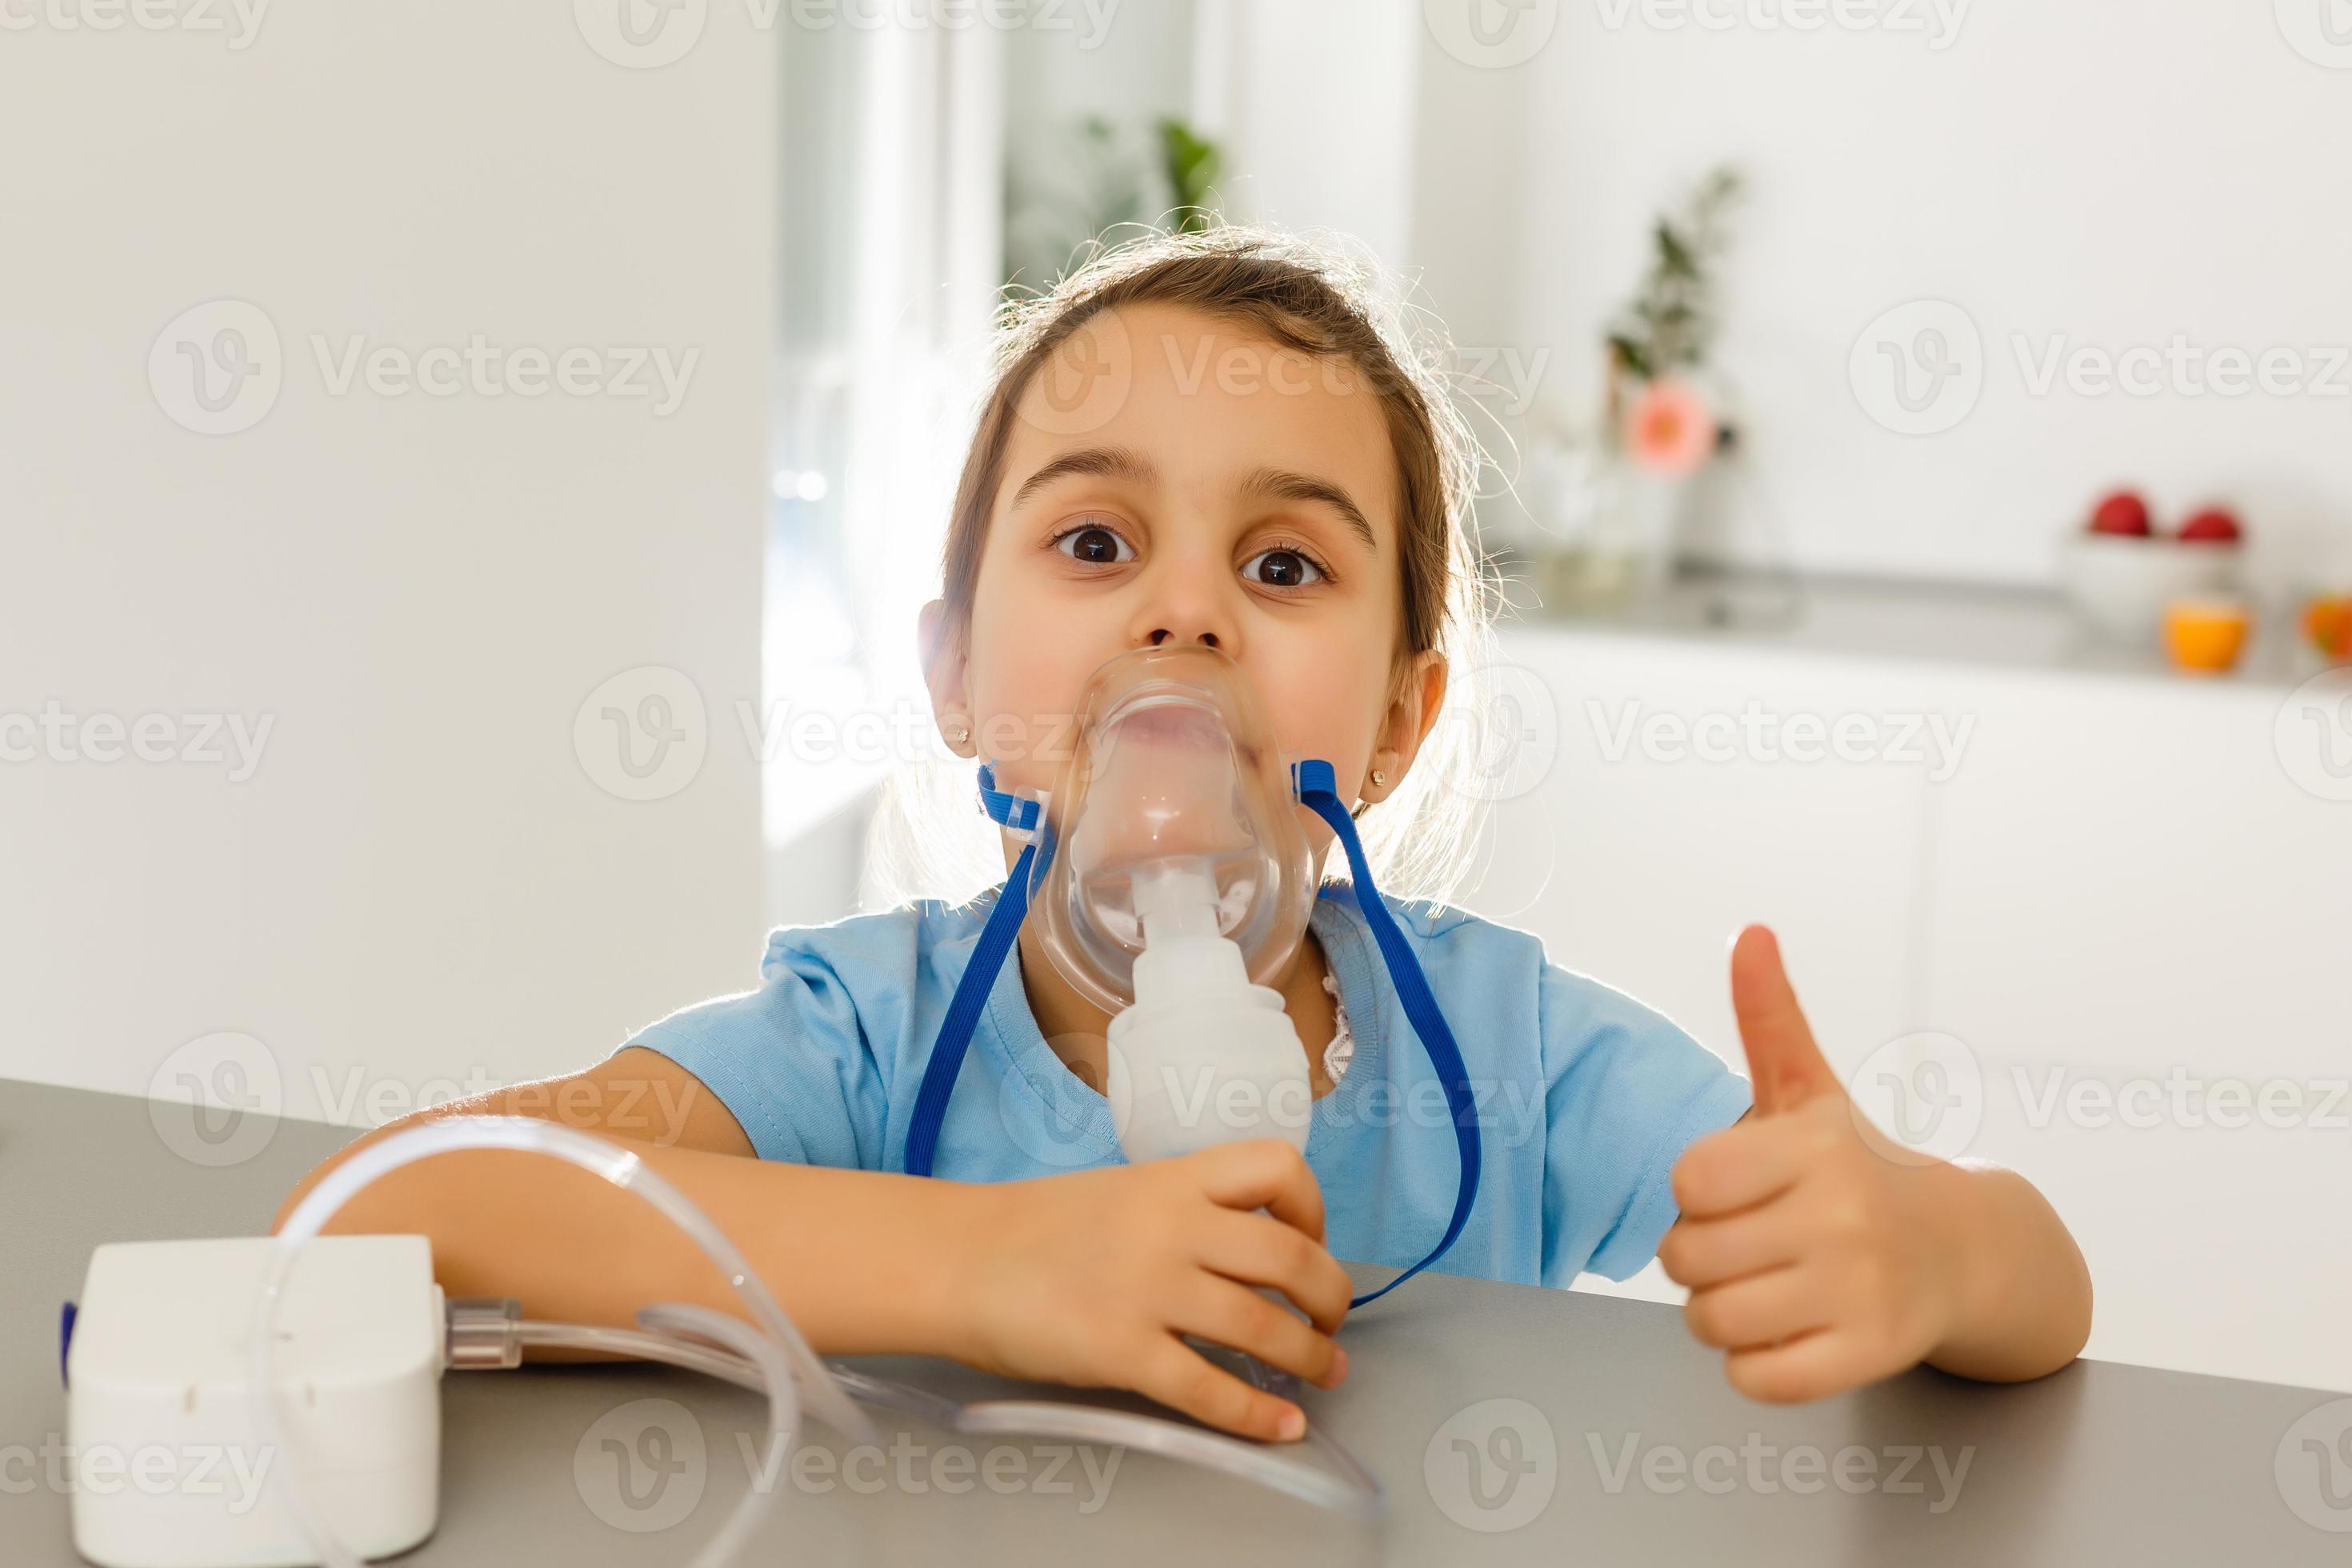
x=1174 y=770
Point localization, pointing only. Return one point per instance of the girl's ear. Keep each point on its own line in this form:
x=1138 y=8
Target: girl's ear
x=1420 y=693
x=943 y=675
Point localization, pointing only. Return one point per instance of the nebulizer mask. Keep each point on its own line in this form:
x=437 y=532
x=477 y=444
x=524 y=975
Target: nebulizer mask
x=1178 y=885
x=1170 y=872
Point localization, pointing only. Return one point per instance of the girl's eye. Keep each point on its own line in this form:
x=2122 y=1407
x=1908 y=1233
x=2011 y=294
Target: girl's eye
x=1281 y=569
x=1095 y=545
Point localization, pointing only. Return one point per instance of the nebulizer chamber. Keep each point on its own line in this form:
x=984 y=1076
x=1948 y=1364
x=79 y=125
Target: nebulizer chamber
x=1178 y=882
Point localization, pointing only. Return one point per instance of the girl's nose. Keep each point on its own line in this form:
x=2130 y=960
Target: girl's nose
x=1160 y=635
x=1188 y=602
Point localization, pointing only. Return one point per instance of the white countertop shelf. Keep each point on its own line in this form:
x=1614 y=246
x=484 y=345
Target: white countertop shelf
x=2013 y=628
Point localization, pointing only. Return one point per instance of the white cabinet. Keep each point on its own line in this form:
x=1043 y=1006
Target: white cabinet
x=2106 y=886
x=2142 y=927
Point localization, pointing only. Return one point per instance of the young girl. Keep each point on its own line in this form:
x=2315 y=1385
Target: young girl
x=1220 y=439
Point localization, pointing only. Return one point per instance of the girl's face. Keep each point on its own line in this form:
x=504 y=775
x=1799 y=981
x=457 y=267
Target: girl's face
x=1170 y=477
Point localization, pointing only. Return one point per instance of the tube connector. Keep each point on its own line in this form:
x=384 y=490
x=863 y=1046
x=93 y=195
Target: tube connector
x=484 y=1333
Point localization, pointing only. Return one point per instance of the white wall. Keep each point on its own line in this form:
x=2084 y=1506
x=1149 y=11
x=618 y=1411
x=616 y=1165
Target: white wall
x=420 y=881
x=1313 y=100
x=2111 y=172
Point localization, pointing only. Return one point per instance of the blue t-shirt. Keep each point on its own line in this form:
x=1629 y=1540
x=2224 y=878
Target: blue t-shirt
x=1584 y=1097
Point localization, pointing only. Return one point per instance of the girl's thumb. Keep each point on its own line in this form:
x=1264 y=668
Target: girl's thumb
x=1785 y=1065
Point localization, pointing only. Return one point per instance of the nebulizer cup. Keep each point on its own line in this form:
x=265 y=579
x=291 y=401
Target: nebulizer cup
x=1179 y=882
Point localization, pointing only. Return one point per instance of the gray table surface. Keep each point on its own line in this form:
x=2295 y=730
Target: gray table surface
x=1620 y=1441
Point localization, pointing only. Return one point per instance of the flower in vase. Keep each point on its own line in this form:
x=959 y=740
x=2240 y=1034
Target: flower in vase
x=1669 y=429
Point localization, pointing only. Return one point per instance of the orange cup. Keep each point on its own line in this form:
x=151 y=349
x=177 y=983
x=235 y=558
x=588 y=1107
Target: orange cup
x=2206 y=635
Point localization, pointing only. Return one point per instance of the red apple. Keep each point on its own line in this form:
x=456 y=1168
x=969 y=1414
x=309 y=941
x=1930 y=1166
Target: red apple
x=2122 y=512
x=2211 y=526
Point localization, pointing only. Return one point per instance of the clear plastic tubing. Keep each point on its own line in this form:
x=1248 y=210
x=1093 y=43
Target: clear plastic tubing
x=769 y=1346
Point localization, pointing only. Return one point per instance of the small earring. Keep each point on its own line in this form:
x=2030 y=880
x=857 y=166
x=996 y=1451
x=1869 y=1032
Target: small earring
x=1378 y=778
x=962 y=734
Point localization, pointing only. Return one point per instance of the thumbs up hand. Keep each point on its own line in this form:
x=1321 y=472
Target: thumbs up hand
x=1816 y=1263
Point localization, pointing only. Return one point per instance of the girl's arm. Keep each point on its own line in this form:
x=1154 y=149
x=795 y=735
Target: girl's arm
x=1088 y=1279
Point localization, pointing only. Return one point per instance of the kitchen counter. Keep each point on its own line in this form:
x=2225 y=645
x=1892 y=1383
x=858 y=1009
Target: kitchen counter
x=1967 y=624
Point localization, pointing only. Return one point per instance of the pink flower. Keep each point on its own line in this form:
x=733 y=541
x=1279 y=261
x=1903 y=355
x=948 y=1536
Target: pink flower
x=1670 y=429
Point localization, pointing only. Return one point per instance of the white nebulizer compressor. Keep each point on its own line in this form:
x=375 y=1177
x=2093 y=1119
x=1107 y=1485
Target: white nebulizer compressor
x=158 y=1401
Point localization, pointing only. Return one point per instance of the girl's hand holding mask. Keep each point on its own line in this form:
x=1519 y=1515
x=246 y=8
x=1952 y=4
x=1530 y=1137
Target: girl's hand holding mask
x=1095 y=1278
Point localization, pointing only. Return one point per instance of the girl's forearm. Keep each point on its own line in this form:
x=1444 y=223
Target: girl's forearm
x=2024 y=1289
x=853 y=1255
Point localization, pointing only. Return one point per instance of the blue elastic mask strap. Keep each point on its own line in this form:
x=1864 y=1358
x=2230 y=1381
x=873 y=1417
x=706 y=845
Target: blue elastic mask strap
x=1318 y=789
x=996 y=939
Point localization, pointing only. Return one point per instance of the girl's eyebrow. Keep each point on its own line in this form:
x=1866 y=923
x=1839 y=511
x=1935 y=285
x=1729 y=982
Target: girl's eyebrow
x=1112 y=462
x=1284 y=484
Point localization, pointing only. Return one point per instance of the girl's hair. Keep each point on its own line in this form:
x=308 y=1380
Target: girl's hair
x=1306 y=294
